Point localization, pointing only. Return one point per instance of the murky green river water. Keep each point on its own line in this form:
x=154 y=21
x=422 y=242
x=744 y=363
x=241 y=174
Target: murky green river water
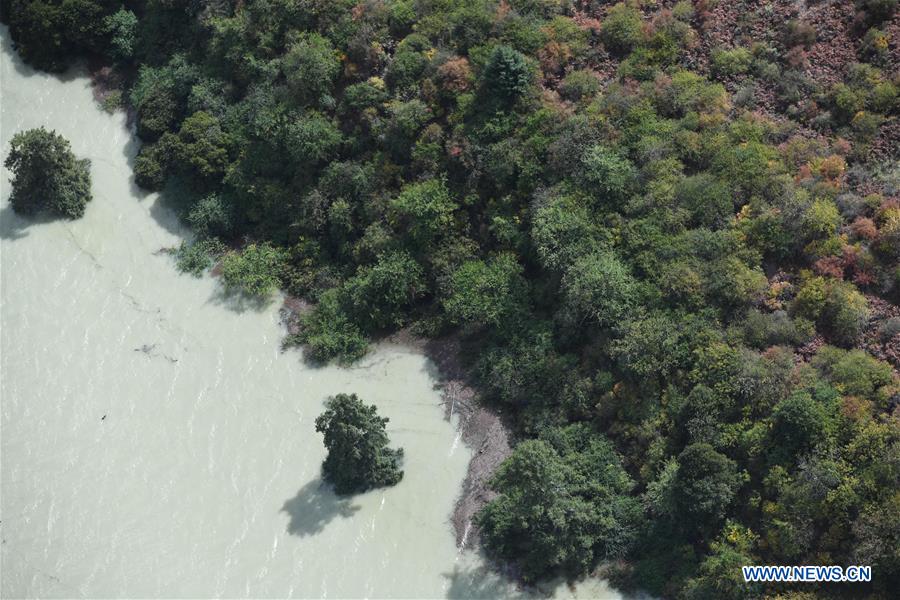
x=203 y=479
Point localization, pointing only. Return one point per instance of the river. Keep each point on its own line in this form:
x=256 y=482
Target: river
x=155 y=439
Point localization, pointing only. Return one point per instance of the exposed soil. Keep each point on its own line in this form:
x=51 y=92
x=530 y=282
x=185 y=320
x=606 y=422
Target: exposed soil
x=873 y=342
x=481 y=429
x=291 y=310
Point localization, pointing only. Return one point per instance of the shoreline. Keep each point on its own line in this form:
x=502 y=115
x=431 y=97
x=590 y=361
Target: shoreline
x=481 y=429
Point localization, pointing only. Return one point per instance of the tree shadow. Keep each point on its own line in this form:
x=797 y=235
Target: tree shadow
x=6 y=45
x=238 y=302
x=163 y=212
x=74 y=71
x=14 y=226
x=314 y=506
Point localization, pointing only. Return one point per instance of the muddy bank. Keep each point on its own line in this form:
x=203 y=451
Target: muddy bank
x=481 y=429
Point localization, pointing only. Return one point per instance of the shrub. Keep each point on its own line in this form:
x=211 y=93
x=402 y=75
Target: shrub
x=329 y=334
x=884 y=97
x=874 y=45
x=622 y=30
x=853 y=372
x=728 y=63
x=847 y=102
x=254 y=271
x=195 y=258
x=607 y=174
x=821 y=220
x=846 y=314
x=762 y=330
x=877 y=11
x=580 y=85
x=799 y=33
x=889 y=329
x=836 y=306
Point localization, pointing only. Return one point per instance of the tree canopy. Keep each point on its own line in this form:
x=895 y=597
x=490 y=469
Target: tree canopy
x=358 y=455
x=666 y=235
x=46 y=175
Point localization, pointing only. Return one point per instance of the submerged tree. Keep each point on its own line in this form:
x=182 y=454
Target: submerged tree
x=358 y=456
x=46 y=175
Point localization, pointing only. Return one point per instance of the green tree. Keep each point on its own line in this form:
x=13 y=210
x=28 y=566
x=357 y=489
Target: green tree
x=599 y=288
x=312 y=140
x=50 y=34
x=358 y=455
x=377 y=296
x=507 y=75
x=159 y=95
x=408 y=63
x=562 y=232
x=606 y=174
x=150 y=166
x=121 y=27
x=212 y=216
x=202 y=148
x=559 y=511
x=798 y=424
x=157 y=113
x=405 y=121
x=46 y=175
x=704 y=486
x=486 y=293
x=719 y=576
x=311 y=66
x=876 y=533
x=707 y=199
x=424 y=211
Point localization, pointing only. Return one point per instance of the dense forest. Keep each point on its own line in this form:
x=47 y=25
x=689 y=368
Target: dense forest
x=667 y=232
